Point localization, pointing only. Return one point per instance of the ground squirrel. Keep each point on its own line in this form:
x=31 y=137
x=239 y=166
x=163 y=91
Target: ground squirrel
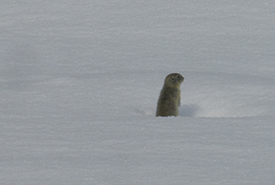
x=169 y=98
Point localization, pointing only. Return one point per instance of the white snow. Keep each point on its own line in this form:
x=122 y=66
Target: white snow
x=80 y=82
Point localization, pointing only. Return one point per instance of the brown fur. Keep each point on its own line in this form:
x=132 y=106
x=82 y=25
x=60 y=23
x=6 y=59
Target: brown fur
x=169 y=99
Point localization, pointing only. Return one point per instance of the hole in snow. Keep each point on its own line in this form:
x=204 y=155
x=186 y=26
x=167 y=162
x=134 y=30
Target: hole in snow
x=188 y=110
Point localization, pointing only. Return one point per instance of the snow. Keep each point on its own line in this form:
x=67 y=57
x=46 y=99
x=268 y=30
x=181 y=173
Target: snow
x=80 y=82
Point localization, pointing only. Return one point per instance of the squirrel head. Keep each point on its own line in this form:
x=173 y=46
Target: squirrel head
x=174 y=80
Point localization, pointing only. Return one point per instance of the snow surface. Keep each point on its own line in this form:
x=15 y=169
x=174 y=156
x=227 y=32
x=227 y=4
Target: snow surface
x=80 y=82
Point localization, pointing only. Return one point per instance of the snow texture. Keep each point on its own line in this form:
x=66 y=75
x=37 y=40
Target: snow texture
x=80 y=82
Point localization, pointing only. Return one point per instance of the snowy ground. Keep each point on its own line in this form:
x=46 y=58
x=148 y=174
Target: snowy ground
x=80 y=82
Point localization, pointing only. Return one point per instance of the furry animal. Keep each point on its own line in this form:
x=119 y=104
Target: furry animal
x=169 y=99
